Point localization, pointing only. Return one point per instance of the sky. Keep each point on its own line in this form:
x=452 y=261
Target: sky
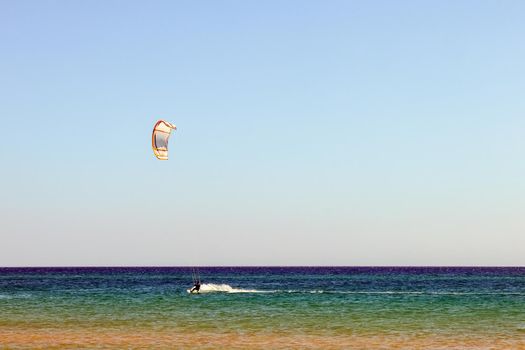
x=309 y=133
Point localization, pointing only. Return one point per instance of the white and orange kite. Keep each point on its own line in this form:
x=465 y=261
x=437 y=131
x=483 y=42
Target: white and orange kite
x=159 y=138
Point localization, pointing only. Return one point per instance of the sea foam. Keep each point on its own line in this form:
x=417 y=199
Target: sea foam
x=224 y=288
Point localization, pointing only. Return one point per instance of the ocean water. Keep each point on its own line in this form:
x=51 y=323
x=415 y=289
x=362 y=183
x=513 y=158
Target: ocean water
x=264 y=307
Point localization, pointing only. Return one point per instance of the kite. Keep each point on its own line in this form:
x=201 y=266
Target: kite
x=159 y=139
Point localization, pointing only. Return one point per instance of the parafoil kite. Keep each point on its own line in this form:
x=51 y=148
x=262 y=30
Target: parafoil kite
x=159 y=138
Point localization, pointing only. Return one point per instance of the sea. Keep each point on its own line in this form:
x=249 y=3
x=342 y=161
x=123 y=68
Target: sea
x=263 y=308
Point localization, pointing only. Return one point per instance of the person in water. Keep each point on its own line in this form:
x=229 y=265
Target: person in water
x=196 y=287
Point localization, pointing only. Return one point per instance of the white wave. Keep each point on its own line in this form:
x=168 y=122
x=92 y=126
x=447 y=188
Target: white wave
x=15 y=296
x=427 y=293
x=224 y=288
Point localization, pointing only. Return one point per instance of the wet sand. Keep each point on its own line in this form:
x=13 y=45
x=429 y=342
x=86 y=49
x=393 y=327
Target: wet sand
x=51 y=338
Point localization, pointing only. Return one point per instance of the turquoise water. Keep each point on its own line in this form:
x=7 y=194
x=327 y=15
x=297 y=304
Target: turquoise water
x=323 y=301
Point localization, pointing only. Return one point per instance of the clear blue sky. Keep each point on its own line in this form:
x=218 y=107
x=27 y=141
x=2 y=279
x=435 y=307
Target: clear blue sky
x=310 y=132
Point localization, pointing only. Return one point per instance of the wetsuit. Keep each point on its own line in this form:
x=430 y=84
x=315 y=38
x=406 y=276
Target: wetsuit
x=196 y=287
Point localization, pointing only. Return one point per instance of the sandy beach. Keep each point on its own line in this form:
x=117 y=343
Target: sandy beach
x=173 y=338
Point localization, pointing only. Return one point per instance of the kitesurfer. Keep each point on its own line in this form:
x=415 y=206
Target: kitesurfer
x=196 y=281
x=196 y=287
